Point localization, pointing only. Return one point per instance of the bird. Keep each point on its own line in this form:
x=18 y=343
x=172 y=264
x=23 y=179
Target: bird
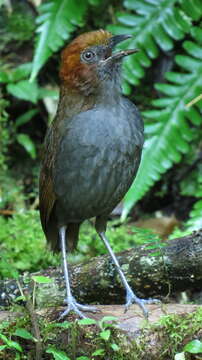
x=92 y=151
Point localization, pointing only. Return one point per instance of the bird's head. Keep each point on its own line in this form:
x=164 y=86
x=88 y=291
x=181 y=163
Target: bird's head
x=89 y=60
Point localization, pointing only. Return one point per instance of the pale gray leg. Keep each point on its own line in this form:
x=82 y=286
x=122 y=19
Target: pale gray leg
x=130 y=296
x=72 y=305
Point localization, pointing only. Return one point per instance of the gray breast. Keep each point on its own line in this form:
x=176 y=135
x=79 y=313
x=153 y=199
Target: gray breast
x=96 y=161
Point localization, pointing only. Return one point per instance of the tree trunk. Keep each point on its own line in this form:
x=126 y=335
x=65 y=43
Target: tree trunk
x=151 y=272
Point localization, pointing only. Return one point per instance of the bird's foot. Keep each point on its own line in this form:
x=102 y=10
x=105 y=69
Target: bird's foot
x=77 y=308
x=131 y=298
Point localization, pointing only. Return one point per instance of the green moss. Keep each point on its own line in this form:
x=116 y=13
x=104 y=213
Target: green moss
x=22 y=245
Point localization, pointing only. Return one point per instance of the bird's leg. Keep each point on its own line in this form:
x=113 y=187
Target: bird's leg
x=72 y=305
x=130 y=296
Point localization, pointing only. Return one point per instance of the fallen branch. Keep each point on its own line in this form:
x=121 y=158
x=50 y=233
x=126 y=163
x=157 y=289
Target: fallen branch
x=151 y=272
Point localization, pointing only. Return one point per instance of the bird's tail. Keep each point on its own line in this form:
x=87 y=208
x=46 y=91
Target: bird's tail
x=72 y=236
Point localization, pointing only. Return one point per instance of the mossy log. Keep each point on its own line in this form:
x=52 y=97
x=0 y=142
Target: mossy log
x=151 y=272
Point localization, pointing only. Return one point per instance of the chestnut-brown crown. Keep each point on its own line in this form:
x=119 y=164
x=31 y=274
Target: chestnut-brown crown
x=73 y=72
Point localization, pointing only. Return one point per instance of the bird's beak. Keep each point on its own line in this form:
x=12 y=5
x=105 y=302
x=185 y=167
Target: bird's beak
x=113 y=41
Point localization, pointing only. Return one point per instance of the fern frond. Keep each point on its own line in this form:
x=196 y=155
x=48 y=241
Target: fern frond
x=154 y=25
x=171 y=124
x=195 y=221
x=57 y=20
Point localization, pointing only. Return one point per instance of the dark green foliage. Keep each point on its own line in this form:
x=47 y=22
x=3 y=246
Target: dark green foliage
x=170 y=120
x=155 y=25
x=17 y=26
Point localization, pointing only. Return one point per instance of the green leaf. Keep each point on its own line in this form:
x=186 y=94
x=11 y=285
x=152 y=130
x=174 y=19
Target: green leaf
x=27 y=143
x=57 y=20
x=64 y=325
x=108 y=318
x=180 y=356
x=24 y=90
x=193 y=347
x=2 y=347
x=197 y=34
x=14 y=345
x=98 y=352
x=83 y=358
x=57 y=354
x=105 y=334
x=42 y=279
x=195 y=220
x=115 y=347
x=20 y=72
x=16 y=74
x=193 y=49
x=87 y=321
x=107 y=321
x=26 y=117
x=23 y=333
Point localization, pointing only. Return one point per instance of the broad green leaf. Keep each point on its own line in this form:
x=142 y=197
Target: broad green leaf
x=193 y=347
x=98 y=352
x=27 y=143
x=42 y=279
x=64 y=325
x=24 y=90
x=14 y=345
x=57 y=354
x=107 y=321
x=105 y=334
x=87 y=321
x=23 y=333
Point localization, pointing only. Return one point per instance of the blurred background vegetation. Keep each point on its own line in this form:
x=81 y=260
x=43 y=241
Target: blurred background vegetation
x=164 y=79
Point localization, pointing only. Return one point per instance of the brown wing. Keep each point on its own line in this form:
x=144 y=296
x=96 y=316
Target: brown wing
x=47 y=203
x=47 y=198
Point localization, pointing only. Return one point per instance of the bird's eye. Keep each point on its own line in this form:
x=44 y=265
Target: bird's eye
x=88 y=55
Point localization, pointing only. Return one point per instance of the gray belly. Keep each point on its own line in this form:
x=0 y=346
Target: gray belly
x=95 y=165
